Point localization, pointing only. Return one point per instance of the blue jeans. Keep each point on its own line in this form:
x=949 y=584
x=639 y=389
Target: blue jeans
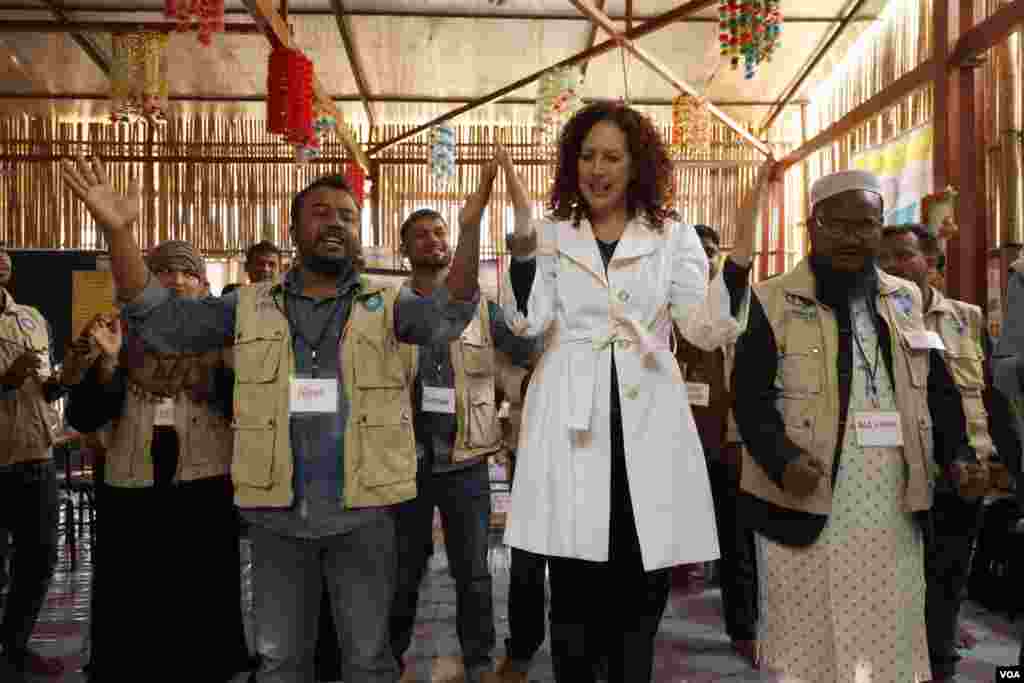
x=464 y=499
x=288 y=575
x=28 y=510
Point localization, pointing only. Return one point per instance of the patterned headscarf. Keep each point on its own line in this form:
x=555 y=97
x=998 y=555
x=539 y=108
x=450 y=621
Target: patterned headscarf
x=177 y=255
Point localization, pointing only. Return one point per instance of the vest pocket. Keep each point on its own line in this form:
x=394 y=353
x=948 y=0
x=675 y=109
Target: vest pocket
x=257 y=360
x=800 y=430
x=800 y=373
x=253 y=461
x=386 y=441
x=478 y=359
x=484 y=429
x=376 y=366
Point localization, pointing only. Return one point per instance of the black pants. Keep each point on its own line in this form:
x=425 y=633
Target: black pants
x=526 y=605
x=328 y=651
x=737 y=566
x=464 y=499
x=609 y=608
x=28 y=511
x=947 y=565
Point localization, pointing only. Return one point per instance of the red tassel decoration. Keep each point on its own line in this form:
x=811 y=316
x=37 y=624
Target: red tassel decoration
x=277 y=91
x=356 y=177
x=300 y=99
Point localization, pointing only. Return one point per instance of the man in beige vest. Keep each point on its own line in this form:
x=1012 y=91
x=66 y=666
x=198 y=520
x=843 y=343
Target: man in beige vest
x=839 y=397
x=457 y=430
x=323 y=434
x=28 y=482
x=960 y=328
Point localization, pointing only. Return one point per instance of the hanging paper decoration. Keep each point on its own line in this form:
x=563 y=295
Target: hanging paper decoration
x=442 y=153
x=749 y=31
x=557 y=99
x=356 y=176
x=691 y=124
x=206 y=17
x=138 y=78
x=290 y=102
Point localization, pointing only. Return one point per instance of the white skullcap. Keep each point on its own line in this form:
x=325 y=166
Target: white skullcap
x=844 y=181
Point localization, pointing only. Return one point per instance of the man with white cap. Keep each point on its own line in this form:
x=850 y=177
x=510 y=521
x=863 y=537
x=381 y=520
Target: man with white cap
x=839 y=397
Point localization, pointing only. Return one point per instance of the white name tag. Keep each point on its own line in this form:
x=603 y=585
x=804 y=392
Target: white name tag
x=438 y=400
x=925 y=339
x=699 y=393
x=310 y=395
x=164 y=413
x=878 y=428
x=501 y=503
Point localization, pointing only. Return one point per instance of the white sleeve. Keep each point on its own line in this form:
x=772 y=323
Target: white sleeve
x=701 y=309
x=541 y=303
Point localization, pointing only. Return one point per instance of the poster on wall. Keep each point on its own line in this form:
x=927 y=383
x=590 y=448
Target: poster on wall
x=904 y=165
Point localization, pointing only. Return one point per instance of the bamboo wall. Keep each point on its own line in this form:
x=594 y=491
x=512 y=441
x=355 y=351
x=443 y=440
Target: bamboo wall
x=224 y=185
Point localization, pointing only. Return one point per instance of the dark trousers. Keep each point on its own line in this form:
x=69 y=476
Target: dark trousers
x=327 y=662
x=737 y=566
x=609 y=608
x=526 y=605
x=464 y=499
x=947 y=565
x=28 y=511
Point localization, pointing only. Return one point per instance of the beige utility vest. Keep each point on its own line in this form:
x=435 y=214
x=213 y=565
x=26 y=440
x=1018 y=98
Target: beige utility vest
x=204 y=436
x=376 y=374
x=27 y=421
x=960 y=325
x=807 y=336
x=479 y=432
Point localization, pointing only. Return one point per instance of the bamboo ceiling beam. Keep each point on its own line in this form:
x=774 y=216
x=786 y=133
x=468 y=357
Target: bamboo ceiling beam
x=36 y=26
x=279 y=35
x=660 y=22
x=987 y=33
x=354 y=61
x=87 y=43
x=384 y=99
x=429 y=14
x=602 y=19
x=812 y=64
x=919 y=77
x=591 y=39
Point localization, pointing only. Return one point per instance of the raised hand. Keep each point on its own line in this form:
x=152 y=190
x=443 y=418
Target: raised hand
x=107 y=334
x=473 y=210
x=89 y=183
x=503 y=159
x=749 y=210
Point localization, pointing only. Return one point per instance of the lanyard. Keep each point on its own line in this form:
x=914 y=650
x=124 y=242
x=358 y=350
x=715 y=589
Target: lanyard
x=870 y=369
x=297 y=333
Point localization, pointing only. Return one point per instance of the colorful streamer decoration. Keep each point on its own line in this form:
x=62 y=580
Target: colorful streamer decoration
x=356 y=176
x=206 y=17
x=442 y=153
x=749 y=31
x=290 y=101
x=138 y=78
x=558 y=98
x=691 y=124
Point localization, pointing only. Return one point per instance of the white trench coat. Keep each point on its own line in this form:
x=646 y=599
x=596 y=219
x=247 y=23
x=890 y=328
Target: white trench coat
x=560 y=499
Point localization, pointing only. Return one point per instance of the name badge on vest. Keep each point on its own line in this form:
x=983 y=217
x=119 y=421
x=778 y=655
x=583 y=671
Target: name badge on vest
x=164 y=416
x=313 y=395
x=921 y=340
x=699 y=393
x=878 y=428
x=438 y=400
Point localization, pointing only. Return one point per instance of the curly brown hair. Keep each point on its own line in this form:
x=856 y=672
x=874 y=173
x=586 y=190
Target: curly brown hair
x=650 y=189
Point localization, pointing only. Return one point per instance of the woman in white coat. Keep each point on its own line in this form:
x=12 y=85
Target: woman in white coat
x=612 y=483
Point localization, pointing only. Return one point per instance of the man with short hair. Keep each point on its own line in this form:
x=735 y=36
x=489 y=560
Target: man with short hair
x=262 y=261
x=844 y=410
x=28 y=479
x=457 y=431
x=324 y=444
x=960 y=329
